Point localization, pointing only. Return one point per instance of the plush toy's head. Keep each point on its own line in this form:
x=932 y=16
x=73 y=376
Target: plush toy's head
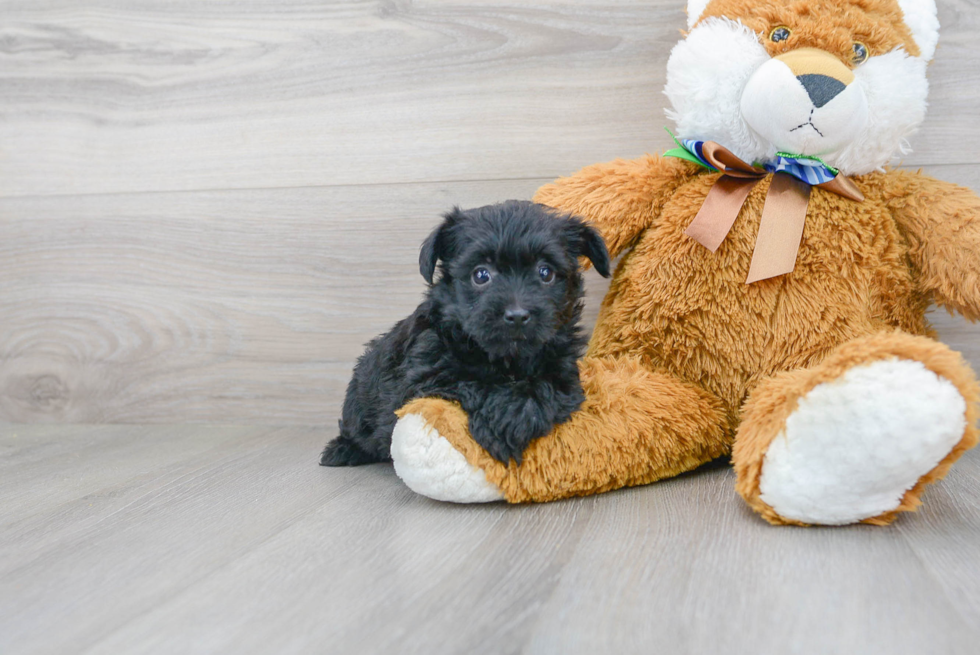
x=842 y=80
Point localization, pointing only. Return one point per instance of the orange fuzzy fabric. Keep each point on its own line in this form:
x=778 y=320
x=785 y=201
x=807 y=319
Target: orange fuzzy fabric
x=635 y=427
x=681 y=339
x=688 y=312
x=771 y=403
x=829 y=26
x=862 y=268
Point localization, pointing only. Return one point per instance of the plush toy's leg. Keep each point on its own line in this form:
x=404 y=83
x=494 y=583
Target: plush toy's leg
x=857 y=437
x=636 y=426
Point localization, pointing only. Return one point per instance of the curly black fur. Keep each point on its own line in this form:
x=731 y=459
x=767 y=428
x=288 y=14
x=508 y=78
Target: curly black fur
x=502 y=341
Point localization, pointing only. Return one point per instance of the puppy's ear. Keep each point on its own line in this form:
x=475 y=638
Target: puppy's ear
x=585 y=241
x=438 y=245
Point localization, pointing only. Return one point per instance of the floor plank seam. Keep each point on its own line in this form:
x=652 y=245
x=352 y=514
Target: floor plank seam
x=247 y=189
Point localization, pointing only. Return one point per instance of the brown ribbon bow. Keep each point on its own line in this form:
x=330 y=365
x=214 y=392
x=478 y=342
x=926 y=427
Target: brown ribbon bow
x=783 y=215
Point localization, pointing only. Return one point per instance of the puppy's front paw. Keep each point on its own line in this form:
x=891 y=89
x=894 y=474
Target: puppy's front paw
x=499 y=447
x=506 y=434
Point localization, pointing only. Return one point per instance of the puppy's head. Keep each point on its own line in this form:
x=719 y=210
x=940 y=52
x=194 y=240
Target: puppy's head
x=509 y=273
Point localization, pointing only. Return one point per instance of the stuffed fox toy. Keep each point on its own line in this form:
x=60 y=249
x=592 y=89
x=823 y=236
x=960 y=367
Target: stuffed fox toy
x=770 y=300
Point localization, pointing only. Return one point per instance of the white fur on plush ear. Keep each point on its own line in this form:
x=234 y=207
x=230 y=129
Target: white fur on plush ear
x=920 y=16
x=706 y=74
x=694 y=10
x=896 y=89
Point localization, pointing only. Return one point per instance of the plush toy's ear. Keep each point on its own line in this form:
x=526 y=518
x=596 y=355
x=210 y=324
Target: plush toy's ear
x=438 y=245
x=585 y=241
x=920 y=17
x=694 y=10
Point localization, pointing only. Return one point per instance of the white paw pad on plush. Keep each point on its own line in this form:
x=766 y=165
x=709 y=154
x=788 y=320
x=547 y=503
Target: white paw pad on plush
x=855 y=445
x=430 y=466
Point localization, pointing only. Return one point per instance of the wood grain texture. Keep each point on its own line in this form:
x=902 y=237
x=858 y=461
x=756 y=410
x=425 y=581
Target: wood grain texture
x=247 y=306
x=206 y=208
x=207 y=306
x=116 y=97
x=232 y=540
x=273 y=167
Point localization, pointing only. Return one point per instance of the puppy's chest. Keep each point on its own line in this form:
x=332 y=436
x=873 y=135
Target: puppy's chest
x=473 y=366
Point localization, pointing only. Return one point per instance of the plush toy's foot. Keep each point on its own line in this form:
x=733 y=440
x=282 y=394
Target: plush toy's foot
x=858 y=437
x=428 y=463
x=635 y=427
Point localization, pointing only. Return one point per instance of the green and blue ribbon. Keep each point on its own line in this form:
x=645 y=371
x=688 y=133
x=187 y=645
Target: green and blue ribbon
x=805 y=168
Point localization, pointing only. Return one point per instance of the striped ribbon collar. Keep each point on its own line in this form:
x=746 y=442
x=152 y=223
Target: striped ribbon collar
x=784 y=213
x=805 y=168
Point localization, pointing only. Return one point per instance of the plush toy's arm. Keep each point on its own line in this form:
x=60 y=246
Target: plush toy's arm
x=942 y=224
x=620 y=198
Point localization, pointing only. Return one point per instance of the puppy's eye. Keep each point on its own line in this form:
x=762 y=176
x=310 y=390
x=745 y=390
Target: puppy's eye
x=860 y=53
x=546 y=274
x=481 y=276
x=780 y=33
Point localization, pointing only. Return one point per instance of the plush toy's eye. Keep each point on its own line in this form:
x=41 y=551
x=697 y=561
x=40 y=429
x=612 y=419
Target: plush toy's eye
x=481 y=276
x=860 y=53
x=546 y=274
x=780 y=33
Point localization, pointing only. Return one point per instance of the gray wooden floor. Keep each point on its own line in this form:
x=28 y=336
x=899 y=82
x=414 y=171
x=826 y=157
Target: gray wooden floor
x=207 y=207
x=163 y=539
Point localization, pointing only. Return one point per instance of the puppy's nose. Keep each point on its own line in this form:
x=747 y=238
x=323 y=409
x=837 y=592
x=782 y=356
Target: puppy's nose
x=517 y=316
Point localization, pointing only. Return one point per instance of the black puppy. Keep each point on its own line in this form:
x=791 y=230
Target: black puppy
x=498 y=332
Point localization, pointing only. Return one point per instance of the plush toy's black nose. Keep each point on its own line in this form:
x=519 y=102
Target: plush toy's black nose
x=517 y=316
x=821 y=88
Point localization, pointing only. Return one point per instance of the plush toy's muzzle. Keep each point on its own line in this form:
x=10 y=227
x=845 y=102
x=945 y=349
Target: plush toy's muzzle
x=805 y=102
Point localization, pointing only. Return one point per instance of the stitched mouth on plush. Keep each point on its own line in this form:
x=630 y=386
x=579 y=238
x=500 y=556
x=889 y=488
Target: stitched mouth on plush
x=805 y=102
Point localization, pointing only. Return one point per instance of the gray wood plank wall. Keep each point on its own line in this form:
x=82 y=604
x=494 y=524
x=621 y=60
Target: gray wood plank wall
x=206 y=208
